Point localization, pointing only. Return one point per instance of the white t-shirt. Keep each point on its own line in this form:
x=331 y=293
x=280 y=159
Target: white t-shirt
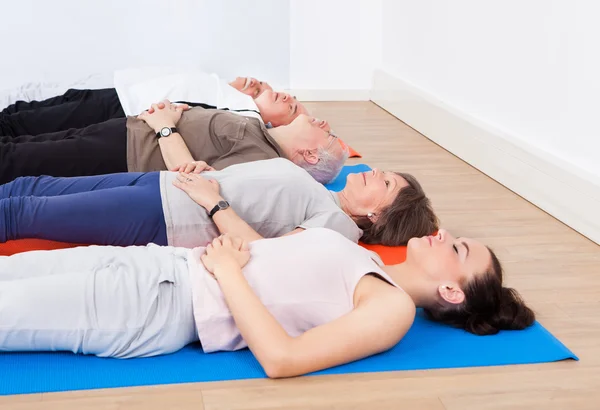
x=304 y=280
x=273 y=196
x=139 y=88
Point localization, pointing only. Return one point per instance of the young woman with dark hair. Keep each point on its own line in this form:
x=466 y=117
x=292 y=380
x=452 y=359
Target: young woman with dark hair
x=301 y=303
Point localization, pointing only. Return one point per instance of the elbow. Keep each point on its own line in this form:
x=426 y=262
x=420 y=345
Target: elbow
x=274 y=372
x=278 y=365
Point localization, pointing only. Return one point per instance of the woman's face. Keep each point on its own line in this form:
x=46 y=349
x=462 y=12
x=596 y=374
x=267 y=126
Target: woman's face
x=449 y=260
x=372 y=191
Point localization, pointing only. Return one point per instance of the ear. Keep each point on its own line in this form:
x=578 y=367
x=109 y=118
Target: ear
x=451 y=294
x=310 y=156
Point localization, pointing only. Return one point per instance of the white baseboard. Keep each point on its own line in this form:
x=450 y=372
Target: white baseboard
x=565 y=191
x=330 y=95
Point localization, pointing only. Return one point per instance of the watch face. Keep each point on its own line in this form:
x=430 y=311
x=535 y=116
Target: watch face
x=165 y=132
x=223 y=205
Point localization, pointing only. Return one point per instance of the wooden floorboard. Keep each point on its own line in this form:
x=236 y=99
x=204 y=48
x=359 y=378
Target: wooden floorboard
x=556 y=269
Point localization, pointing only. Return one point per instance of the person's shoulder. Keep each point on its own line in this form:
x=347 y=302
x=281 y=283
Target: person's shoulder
x=255 y=126
x=392 y=299
x=335 y=238
x=279 y=165
x=243 y=126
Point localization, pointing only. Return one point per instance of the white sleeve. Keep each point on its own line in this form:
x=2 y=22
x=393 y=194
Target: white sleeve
x=140 y=88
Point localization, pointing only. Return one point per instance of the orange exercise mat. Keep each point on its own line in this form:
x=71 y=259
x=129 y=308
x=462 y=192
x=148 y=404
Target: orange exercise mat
x=389 y=254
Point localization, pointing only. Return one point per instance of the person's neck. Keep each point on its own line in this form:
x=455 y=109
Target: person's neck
x=282 y=137
x=416 y=286
x=344 y=203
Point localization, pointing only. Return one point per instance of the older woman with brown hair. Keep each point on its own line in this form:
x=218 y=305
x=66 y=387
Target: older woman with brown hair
x=261 y=199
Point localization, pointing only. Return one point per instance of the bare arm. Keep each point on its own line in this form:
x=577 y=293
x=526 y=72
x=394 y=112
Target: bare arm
x=206 y=194
x=174 y=151
x=351 y=337
x=173 y=148
x=230 y=223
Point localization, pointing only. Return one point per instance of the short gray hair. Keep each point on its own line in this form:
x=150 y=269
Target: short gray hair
x=328 y=166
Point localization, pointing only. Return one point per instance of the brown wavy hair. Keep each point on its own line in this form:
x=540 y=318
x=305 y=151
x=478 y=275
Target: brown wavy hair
x=410 y=215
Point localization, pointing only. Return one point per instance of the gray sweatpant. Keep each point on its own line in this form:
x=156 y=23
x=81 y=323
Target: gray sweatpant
x=100 y=300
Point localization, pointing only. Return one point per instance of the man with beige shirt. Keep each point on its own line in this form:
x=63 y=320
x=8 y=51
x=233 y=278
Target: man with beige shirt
x=168 y=138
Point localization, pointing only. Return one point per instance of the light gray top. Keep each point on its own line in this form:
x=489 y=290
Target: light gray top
x=273 y=196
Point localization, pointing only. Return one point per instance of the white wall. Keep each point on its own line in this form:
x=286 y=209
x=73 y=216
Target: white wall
x=66 y=39
x=317 y=48
x=334 y=45
x=530 y=68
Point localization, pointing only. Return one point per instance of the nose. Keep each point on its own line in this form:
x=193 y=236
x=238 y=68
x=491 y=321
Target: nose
x=286 y=97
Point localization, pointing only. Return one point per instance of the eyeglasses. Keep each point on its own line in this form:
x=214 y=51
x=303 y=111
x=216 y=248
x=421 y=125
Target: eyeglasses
x=333 y=138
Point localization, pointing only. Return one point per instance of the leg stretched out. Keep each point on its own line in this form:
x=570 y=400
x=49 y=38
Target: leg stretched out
x=117 y=209
x=106 y=301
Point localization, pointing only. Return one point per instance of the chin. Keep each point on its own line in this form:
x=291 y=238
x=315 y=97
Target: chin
x=353 y=178
x=416 y=244
x=414 y=248
x=263 y=98
x=239 y=82
x=412 y=242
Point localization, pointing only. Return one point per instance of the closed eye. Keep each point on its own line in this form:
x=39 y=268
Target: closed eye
x=455 y=249
x=388 y=182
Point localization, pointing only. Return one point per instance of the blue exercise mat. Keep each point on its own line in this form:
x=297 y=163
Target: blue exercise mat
x=427 y=345
x=340 y=182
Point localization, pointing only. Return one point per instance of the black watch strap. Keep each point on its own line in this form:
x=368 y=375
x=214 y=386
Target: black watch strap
x=218 y=207
x=159 y=134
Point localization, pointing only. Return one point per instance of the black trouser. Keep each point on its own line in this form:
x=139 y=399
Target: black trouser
x=73 y=109
x=94 y=150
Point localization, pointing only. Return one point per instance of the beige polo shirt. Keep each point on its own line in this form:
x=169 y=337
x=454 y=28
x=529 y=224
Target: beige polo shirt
x=220 y=138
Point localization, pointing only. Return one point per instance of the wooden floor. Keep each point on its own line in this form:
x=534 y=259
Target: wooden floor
x=556 y=269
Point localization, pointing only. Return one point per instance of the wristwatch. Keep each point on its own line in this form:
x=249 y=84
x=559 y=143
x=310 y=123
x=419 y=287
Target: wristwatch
x=218 y=207
x=165 y=132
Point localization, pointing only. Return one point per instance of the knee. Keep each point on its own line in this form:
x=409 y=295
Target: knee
x=21 y=186
x=10 y=208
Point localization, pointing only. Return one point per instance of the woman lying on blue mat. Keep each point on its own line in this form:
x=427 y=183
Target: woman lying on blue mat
x=301 y=303
x=267 y=199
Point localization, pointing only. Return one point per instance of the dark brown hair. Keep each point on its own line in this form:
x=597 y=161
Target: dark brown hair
x=488 y=307
x=410 y=215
